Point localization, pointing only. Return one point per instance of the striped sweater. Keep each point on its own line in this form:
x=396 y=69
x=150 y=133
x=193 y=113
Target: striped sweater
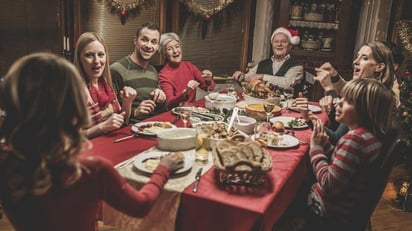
x=342 y=174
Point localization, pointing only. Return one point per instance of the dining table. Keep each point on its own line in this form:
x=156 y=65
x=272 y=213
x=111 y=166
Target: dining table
x=214 y=206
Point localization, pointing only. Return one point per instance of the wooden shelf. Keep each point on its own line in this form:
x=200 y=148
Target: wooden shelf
x=310 y=53
x=315 y=25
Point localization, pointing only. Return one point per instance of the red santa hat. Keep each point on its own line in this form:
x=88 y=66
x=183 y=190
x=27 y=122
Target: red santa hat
x=292 y=35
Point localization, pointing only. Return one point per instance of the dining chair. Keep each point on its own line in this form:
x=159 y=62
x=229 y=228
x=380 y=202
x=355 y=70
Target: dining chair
x=379 y=177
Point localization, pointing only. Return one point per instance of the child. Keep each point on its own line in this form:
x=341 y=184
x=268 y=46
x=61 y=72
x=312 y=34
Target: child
x=341 y=172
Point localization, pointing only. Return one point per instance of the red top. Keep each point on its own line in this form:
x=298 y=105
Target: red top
x=75 y=207
x=173 y=80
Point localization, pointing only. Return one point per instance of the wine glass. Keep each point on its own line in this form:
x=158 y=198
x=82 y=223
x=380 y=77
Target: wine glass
x=185 y=116
x=269 y=104
x=213 y=95
x=288 y=93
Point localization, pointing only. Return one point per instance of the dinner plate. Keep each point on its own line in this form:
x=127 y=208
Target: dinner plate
x=287 y=141
x=150 y=128
x=285 y=120
x=312 y=108
x=177 y=110
x=141 y=162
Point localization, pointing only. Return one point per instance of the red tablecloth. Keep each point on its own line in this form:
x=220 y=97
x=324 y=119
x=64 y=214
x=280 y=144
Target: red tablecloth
x=230 y=208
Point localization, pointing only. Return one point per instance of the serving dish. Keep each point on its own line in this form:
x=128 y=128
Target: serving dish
x=147 y=162
x=176 y=139
x=222 y=101
x=151 y=128
x=178 y=110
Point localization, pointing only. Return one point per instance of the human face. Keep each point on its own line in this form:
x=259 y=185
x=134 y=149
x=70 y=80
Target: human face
x=173 y=52
x=364 y=65
x=346 y=113
x=280 y=45
x=93 y=60
x=146 y=44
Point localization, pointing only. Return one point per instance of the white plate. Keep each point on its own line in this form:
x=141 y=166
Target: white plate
x=176 y=110
x=140 y=160
x=150 y=128
x=286 y=142
x=285 y=120
x=314 y=109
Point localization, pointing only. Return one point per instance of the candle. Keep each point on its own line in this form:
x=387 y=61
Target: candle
x=64 y=43
x=68 y=43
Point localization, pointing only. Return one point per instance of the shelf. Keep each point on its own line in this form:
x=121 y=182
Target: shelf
x=316 y=25
x=310 y=53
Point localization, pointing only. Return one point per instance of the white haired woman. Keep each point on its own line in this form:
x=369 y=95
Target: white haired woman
x=179 y=79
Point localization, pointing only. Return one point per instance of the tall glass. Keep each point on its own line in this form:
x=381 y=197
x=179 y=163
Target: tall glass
x=269 y=104
x=202 y=145
x=185 y=116
x=288 y=93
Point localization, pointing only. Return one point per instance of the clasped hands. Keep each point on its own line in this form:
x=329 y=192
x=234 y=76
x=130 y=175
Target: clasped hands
x=147 y=106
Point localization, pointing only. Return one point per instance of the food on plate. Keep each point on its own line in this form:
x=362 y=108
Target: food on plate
x=269 y=139
x=257 y=109
x=261 y=89
x=151 y=164
x=278 y=126
x=217 y=130
x=155 y=127
x=296 y=123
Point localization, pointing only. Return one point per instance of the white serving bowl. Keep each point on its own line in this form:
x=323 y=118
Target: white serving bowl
x=246 y=124
x=176 y=139
x=223 y=101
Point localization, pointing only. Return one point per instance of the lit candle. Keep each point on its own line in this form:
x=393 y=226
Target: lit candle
x=68 y=43
x=64 y=43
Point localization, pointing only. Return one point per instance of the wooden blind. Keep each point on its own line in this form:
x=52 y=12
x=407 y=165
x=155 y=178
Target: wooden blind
x=119 y=38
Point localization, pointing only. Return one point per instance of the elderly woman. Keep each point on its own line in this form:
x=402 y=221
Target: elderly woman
x=281 y=69
x=179 y=79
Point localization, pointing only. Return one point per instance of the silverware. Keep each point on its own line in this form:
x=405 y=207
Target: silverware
x=197 y=179
x=126 y=162
x=125 y=138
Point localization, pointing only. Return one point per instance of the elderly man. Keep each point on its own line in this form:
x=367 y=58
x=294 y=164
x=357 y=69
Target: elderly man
x=281 y=69
x=135 y=71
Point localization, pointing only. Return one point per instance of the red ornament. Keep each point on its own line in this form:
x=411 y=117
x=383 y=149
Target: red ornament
x=207 y=17
x=123 y=13
x=407 y=73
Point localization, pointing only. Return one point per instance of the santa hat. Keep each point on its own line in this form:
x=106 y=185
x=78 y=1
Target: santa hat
x=292 y=35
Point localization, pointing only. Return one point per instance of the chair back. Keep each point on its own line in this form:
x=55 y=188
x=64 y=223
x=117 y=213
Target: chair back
x=379 y=177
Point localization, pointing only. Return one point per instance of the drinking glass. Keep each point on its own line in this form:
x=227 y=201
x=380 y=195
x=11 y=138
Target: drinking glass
x=185 y=116
x=202 y=145
x=213 y=95
x=288 y=93
x=269 y=104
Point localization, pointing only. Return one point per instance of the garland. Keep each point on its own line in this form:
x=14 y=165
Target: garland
x=206 y=8
x=122 y=7
x=405 y=35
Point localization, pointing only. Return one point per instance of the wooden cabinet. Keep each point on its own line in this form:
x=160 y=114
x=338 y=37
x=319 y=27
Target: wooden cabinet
x=327 y=29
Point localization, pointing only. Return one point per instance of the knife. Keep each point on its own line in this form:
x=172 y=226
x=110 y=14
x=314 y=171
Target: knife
x=197 y=179
x=207 y=117
x=124 y=138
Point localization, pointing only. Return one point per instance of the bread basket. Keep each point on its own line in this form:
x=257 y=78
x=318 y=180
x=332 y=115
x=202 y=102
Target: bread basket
x=241 y=162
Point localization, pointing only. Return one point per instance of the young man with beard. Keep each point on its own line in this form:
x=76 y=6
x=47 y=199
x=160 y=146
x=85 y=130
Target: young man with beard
x=135 y=71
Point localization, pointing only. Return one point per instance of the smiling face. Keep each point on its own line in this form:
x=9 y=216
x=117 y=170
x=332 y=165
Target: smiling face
x=93 y=60
x=346 y=113
x=280 y=45
x=365 y=65
x=173 y=52
x=146 y=44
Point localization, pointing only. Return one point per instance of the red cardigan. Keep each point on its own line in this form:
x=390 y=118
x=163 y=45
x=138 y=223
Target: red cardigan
x=75 y=207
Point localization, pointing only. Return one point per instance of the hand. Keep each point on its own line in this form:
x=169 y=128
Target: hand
x=192 y=84
x=324 y=78
x=174 y=161
x=115 y=121
x=319 y=136
x=326 y=103
x=207 y=75
x=145 y=107
x=159 y=96
x=329 y=68
x=238 y=76
x=127 y=94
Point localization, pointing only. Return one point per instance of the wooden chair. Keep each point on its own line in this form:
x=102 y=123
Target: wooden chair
x=379 y=175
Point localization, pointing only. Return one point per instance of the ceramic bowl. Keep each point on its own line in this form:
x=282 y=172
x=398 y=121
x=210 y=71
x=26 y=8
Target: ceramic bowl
x=246 y=124
x=223 y=101
x=176 y=139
